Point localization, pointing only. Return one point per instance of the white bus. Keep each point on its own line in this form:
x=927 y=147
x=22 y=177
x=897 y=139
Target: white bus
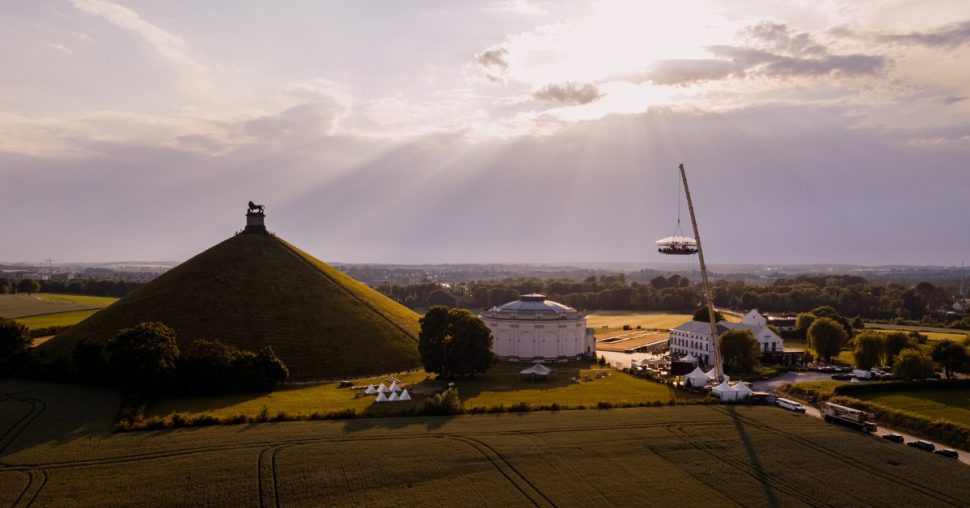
x=791 y=405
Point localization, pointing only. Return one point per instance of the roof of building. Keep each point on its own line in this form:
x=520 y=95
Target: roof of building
x=533 y=303
x=704 y=328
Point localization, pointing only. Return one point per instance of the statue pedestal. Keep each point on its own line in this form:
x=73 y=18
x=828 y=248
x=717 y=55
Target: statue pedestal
x=255 y=223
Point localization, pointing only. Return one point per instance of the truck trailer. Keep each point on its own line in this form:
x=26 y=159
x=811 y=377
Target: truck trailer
x=850 y=417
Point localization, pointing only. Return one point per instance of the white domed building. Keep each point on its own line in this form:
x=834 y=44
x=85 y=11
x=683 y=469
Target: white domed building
x=533 y=328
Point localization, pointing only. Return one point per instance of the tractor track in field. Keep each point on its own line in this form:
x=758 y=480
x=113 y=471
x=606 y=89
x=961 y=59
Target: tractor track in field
x=266 y=477
x=135 y=457
x=849 y=460
x=37 y=408
x=741 y=465
x=36 y=480
x=510 y=472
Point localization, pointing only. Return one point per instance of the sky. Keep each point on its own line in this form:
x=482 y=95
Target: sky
x=487 y=131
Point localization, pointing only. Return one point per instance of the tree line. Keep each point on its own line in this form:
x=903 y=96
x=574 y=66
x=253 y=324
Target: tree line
x=93 y=287
x=849 y=295
x=146 y=360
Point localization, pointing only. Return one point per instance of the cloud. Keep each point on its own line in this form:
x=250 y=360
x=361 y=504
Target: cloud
x=572 y=94
x=494 y=64
x=60 y=48
x=686 y=71
x=759 y=62
x=953 y=99
x=193 y=76
x=949 y=36
x=782 y=38
x=516 y=6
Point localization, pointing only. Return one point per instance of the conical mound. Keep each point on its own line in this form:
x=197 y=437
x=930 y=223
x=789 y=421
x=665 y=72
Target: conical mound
x=256 y=290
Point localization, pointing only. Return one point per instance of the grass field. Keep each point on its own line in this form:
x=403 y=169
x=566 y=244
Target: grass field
x=669 y=456
x=952 y=405
x=957 y=336
x=501 y=385
x=22 y=305
x=58 y=319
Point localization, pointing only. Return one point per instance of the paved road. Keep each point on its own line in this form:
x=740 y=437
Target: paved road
x=803 y=377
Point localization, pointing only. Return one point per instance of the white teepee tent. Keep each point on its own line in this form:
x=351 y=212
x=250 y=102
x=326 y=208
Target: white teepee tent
x=381 y=397
x=393 y=397
x=395 y=387
x=382 y=389
x=404 y=395
x=370 y=390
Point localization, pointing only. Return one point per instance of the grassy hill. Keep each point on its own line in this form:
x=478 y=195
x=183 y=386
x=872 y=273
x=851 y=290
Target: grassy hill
x=254 y=290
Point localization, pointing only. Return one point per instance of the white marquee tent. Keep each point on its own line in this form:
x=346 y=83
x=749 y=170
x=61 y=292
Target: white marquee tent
x=725 y=391
x=382 y=389
x=394 y=397
x=395 y=387
x=697 y=377
x=742 y=391
x=370 y=390
x=404 y=395
x=381 y=397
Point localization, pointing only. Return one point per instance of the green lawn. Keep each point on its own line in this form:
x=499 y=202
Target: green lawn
x=952 y=405
x=957 y=336
x=96 y=301
x=297 y=399
x=59 y=319
x=501 y=385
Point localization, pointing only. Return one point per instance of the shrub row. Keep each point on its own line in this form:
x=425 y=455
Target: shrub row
x=949 y=433
x=896 y=386
x=47 y=330
x=429 y=407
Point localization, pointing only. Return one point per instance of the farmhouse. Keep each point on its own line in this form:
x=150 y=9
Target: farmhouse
x=535 y=328
x=694 y=337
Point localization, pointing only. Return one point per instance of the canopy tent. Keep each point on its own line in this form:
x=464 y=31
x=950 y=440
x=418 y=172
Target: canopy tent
x=742 y=390
x=725 y=391
x=394 y=397
x=688 y=358
x=395 y=387
x=381 y=397
x=696 y=377
x=537 y=369
x=370 y=390
x=382 y=389
x=404 y=395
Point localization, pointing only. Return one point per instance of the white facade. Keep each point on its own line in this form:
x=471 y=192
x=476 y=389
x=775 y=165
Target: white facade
x=694 y=337
x=535 y=328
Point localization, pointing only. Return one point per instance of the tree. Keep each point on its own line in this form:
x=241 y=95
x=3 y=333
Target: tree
x=870 y=347
x=912 y=364
x=454 y=342
x=895 y=342
x=739 y=350
x=272 y=370
x=826 y=337
x=701 y=314
x=28 y=286
x=14 y=338
x=89 y=361
x=143 y=358
x=803 y=321
x=441 y=297
x=951 y=357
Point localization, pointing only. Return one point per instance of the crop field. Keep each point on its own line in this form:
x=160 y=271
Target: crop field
x=952 y=405
x=58 y=319
x=501 y=385
x=680 y=456
x=956 y=335
x=21 y=305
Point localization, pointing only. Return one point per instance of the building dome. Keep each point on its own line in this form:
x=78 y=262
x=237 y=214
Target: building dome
x=535 y=328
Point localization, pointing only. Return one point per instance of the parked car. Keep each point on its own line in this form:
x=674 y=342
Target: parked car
x=896 y=438
x=948 y=452
x=922 y=445
x=791 y=405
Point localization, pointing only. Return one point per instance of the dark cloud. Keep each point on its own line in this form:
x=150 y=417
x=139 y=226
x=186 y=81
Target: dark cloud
x=949 y=36
x=772 y=50
x=568 y=93
x=685 y=72
x=953 y=99
x=781 y=38
x=494 y=64
x=493 y=58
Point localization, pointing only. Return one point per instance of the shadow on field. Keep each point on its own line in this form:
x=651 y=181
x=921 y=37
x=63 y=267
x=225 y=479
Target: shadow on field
x=54 y=413
x=398 y=423
x=756 y=466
